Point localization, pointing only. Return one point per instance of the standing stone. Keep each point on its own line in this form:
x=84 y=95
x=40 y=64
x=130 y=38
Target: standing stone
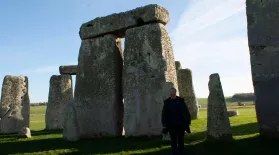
x=70 y=124
x=98 y=92
x=148 y=66
x=186 y=91
x=178 y=65
x=263 y=39
x=218 y=123
x=60 y=92
x=15 y=104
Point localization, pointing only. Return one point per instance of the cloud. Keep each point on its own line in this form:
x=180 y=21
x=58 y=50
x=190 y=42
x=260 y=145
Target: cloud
x=211 y=37
x=203 y=14
x=40 y=70
x=45 y=69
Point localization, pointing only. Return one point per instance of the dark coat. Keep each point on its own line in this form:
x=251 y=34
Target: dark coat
x=171 y=113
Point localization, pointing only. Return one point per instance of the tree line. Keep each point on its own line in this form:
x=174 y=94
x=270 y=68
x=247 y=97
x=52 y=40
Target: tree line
x=243 y=97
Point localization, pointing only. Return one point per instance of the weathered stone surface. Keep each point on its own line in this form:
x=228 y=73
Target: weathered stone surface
x=262 y=17
x=118 y=23
x=267 y=106
x=186 y=91
x=24 y=133
x=178 y=65
x=218 y=123
x=263 y=39
x=264 y=62
x=233 y=113
x=70 y=124
x=98 y=92
x=15 y=104
x=60 y=92
x=70 y=69
x=149 y=69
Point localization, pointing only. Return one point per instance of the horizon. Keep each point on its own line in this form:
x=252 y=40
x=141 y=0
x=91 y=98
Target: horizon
x=207 y=37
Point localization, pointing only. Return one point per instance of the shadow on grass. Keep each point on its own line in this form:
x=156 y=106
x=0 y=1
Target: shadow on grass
x=10 y=135
x=114 y=145
x=34 y=133
x=246 y=129
x=93 y=146
x=241 y=130
x=45 y=132
x=249 y=146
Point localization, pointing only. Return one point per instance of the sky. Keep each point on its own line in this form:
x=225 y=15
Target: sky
x=208 y=36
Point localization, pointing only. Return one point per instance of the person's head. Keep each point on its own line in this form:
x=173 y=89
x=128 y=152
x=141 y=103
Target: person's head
x=172 y=92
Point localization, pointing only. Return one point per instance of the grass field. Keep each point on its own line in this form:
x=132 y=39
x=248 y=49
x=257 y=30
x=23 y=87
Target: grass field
x=229 y=102
x=244 y=128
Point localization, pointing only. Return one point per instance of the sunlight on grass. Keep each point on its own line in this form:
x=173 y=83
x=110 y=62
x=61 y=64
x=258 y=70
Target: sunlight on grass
x=61 y=151
x=244 y=128
x=37 y=117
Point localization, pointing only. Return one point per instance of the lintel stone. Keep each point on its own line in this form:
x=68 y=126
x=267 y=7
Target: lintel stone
x=69 y=69
x=118 y=23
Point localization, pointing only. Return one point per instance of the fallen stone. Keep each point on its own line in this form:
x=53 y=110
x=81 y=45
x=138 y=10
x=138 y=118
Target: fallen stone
x=233 y=113
x=15 y=104
x=60 y=92
x=263 y=40
x=241 y=104
x=166 y=137
x=149 y=69
x=70 y=124
x=186 y=91
x=98 y=91
x=24 y=133
x=178 y=65
x=70 y=69
x=218 y=123
x=118 y=23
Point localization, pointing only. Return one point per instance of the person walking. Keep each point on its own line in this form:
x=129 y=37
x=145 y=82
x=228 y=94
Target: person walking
x=176 y=120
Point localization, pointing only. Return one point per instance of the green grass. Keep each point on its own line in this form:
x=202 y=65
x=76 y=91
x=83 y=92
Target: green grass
x=37 y=117
x=244 y=128
x=229 y=102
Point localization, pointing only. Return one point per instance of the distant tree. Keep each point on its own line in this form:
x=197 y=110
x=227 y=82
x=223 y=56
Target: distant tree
x=39 y=104
x=243 y=97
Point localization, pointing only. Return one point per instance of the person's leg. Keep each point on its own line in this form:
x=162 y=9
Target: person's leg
x=180 y=141
x=173 y=136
